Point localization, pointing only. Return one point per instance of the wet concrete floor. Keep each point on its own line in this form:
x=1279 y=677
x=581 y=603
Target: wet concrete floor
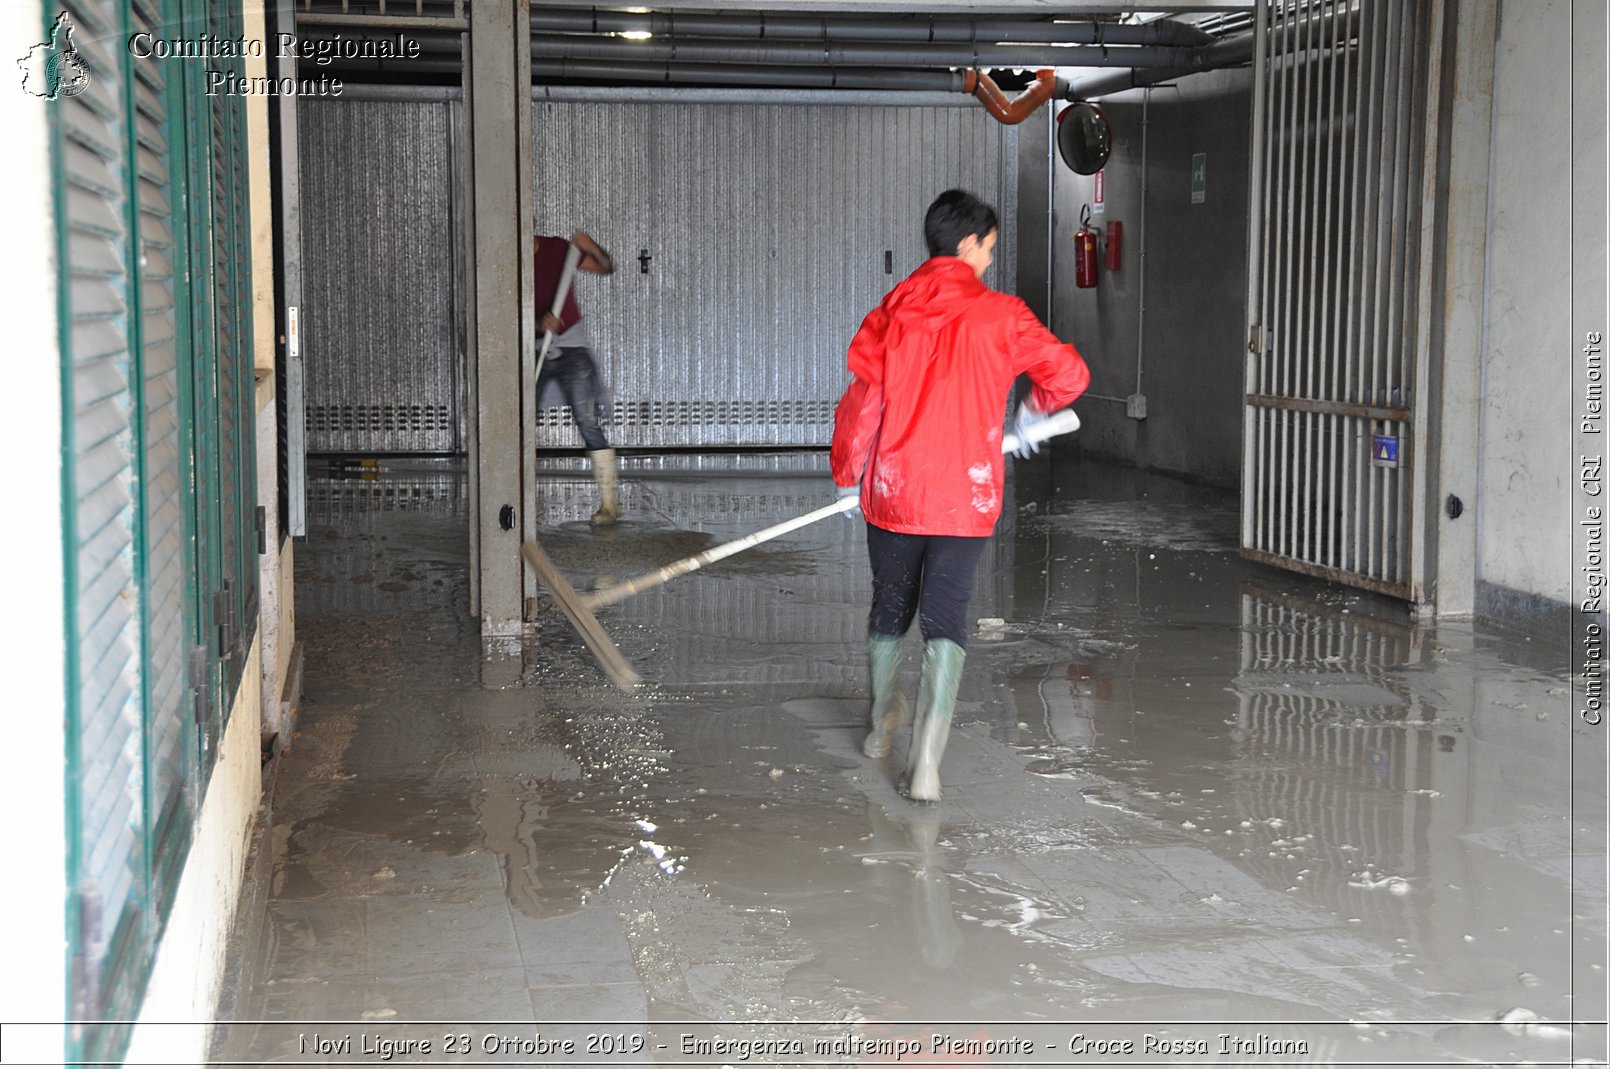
x=1195 y=811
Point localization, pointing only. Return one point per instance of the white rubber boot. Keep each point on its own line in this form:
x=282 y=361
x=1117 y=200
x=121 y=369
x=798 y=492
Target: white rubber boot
x=606 y=473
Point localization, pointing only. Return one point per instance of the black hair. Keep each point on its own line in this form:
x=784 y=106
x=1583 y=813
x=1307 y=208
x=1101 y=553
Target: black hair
x=952 y=216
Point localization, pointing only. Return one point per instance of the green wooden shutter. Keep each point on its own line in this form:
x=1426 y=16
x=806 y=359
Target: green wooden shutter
x=164 y=478
x=105 y=714
x=159 y=482
x=235 y=384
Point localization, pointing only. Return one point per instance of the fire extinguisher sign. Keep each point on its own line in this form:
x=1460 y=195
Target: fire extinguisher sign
x=1098 y=196
x=1199 y=178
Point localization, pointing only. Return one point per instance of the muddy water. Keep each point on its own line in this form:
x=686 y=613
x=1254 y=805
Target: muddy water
x=1184 y=795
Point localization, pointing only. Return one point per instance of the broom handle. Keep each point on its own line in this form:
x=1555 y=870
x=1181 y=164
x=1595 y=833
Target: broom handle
x=1063 y=422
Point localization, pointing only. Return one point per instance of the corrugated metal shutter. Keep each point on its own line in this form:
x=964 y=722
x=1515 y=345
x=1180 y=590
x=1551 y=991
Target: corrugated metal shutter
x=377 y=212
x=104 y=640
x=770 y=231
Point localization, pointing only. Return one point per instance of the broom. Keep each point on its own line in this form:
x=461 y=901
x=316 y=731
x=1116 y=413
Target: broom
x=579 y=608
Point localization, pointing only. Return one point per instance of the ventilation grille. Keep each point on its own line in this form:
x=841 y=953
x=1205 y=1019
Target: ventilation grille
x=331 y=499
x=382 y=419
x=703 y=414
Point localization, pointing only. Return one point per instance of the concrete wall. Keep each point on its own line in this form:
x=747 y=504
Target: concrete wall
x=1191 y=350
x=189 y=968
x=1034 y=208
x=1525 y=440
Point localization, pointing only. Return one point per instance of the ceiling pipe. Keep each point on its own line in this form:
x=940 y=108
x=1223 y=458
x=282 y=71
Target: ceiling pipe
x=775 y=77
x=858 y=53
x=1229 y=52
x=1010 y=112
x=623 y=60
x=927 y=29
x=627 y=53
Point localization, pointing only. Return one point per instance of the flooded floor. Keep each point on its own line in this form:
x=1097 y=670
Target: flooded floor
x=1195 y=811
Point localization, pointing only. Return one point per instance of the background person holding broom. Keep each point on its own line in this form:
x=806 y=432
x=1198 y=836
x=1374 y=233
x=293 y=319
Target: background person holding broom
x=918 y=436
x=570 y=365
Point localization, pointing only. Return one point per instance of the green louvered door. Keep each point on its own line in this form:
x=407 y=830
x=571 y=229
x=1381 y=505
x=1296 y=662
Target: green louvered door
x=164 y=475
x=159 y=484
x=108 y=859
x=220 y=148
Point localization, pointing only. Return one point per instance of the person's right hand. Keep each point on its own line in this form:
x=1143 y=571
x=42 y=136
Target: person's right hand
x=850 y=491
x=551 y=324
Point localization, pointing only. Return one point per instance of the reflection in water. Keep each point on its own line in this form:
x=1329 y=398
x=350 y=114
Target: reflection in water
x=910 y=849
x=1334 y=743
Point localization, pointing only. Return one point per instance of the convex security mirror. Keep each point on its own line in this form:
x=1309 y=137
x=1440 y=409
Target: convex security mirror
x=1084 y=140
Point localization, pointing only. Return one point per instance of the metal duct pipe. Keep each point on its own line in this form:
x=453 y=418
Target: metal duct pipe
x=623 y=50
x=762 y=26
x=1230 y=52
x=1117 y=81
x=723 y=74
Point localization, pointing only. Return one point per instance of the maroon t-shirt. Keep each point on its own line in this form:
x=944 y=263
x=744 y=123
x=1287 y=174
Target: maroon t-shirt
x=548 y=263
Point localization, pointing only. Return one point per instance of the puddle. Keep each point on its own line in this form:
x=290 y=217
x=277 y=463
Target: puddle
x=1178 y=787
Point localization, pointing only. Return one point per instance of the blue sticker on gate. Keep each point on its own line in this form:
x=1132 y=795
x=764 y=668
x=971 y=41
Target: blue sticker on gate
x=1384 y=450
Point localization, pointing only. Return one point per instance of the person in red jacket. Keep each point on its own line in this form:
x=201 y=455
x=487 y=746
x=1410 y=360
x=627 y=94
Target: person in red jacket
x=917 y=435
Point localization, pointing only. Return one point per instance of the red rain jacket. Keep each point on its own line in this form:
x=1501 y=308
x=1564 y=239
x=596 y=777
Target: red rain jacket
x=919 y=428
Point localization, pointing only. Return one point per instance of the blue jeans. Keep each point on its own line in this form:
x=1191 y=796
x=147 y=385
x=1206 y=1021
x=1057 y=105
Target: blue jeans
x=578 y=380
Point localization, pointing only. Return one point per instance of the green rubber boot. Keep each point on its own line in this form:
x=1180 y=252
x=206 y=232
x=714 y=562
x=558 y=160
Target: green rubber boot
x=936 y=700
x=888 y=704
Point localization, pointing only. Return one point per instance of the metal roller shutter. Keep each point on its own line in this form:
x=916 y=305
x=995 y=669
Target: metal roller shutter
x=383 y=369
x=769 y=230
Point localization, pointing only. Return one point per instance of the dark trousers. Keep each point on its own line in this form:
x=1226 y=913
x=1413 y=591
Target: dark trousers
x=578 y=380
x=925 y=576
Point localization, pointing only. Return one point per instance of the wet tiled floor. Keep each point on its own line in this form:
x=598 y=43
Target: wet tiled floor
x=1185 y=796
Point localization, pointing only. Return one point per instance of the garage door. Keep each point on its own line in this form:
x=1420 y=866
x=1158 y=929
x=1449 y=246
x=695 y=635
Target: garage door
x=750 y=239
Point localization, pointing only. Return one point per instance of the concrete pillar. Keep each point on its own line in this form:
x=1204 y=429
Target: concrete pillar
x=499 y=112
x=1467 y=120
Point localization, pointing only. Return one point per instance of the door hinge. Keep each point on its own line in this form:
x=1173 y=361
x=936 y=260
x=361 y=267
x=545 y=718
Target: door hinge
x=201 y=684
x=262 y=529
x=1257 y=338
x=223 y=614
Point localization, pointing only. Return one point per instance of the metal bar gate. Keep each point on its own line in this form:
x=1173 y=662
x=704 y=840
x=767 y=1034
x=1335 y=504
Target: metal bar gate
x=1339 y=232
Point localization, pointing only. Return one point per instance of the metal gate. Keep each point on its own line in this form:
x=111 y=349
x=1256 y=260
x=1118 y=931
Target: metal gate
x=1338 y=278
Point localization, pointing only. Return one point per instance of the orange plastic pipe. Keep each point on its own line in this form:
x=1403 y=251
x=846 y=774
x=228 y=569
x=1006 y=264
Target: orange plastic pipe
x=1010 y=112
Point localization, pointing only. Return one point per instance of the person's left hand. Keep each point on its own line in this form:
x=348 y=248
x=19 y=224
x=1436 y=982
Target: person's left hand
x=551 y=324
x=1028 y=417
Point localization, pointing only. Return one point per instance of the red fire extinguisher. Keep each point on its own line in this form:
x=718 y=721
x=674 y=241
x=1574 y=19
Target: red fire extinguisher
x=1084 y=251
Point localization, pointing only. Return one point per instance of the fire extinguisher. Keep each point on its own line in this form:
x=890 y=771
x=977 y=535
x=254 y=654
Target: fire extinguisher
x=1084 y=251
